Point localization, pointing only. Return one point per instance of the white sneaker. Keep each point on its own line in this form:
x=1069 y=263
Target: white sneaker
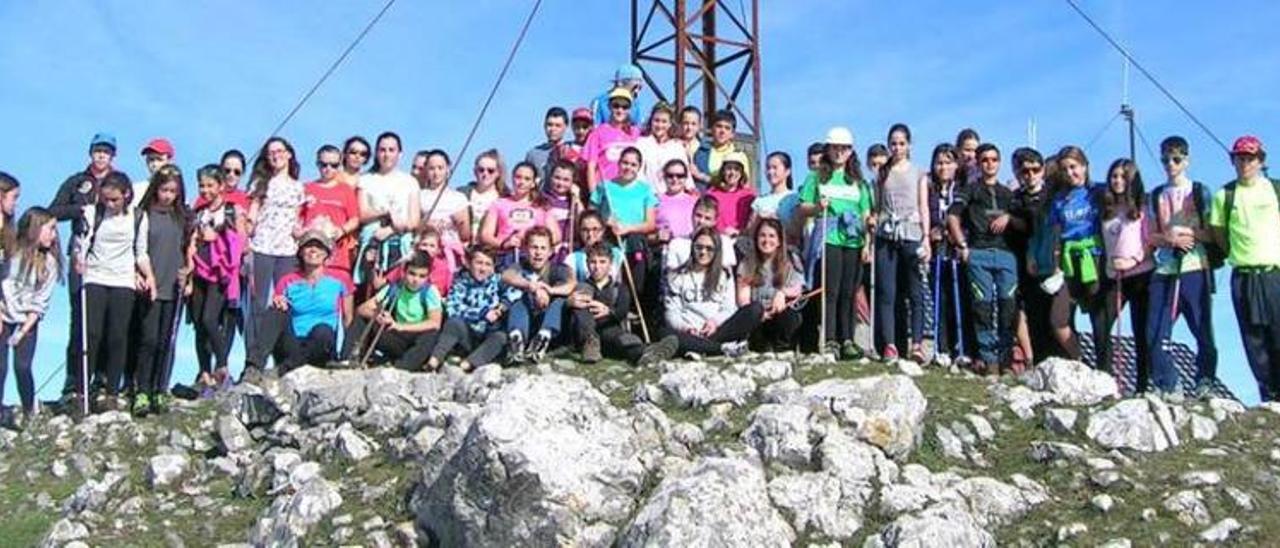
x=942 y=359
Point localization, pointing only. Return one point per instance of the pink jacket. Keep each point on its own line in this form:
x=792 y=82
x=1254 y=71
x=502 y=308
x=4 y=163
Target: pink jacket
x=223 y=265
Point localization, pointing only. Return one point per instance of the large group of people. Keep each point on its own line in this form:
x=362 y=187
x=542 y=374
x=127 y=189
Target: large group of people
x=633 y=234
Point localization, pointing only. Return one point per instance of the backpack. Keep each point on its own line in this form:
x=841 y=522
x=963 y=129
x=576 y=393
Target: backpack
x=393 y=293
x=1215 y=255
x=99 y=215
x=1229 y=204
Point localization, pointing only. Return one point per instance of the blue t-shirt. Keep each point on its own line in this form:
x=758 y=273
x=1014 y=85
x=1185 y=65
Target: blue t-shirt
x=314 y=304
x=1076 y=212
x=628 y=204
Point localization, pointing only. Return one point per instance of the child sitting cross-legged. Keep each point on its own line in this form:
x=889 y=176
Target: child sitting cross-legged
x=600 y=306
x=407 y=313
x=475 y=311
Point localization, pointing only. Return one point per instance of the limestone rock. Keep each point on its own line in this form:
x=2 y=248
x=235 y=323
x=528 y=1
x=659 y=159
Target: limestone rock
x=1189 y=507
x=1203 y=428
x=64 y=531
x=780 y=433
x=1060 y=421
x=700 y=384
x=1071 y=382
x=1143 y=424
x=942 y=525
x=820 y=502
x=886 y=410
x=164 y=469
x=1221 y=531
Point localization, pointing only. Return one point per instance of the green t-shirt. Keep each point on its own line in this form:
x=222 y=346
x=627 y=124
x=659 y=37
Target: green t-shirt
x=847 y=214
x=413 y=306
x=1255 y=222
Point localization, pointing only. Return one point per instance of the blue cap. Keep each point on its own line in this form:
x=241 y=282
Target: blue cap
x=103 y=139
x=628 y=72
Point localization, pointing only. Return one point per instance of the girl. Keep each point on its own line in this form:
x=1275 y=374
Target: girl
x=488 y=186
x=114 y=262
x=444 y=208
x=508 y=219
x=630 y=208
x=9 y=192
x=390 y=209
x=164 y=208
x=355 y=154
x=660 y=147
x=901 y=250
x=841 y=200
x=213 y=254
x=949 y=292
x=563 y=205
x=700 y=307
x=675 y=206
x=781 y=201
x=591 y=232
x=275 y=201
x=1126 y=234
x=607 y=142
x=1074 y=220
x=730 y=188
x=768 y=279
x=34 y=266
x=233 y=164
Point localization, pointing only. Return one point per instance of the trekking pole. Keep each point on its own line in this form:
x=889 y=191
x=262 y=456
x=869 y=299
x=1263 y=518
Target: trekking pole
x=376 y=329
x=937 y=302
x=871 y=296
x=822 y=275
x=1115 y=345
x=631 y=284
x=170 y=353
x=955 y=296
x=84 y=351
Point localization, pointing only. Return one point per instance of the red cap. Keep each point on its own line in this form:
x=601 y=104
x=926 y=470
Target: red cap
x=159 y=146
x=1247 y=145
x=582 y=113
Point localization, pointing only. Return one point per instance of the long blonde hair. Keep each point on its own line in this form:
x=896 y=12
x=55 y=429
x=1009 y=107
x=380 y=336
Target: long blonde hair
x=35 y=259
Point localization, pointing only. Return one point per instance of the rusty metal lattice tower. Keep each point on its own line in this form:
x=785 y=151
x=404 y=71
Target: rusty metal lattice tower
x=702 y=52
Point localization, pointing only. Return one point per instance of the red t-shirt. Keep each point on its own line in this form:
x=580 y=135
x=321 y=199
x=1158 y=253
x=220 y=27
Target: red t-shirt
x=234 y=197
x=339 y=204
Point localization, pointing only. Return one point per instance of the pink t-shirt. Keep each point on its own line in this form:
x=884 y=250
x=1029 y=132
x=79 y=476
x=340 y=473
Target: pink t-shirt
x=514 y=217
x=1125 y=238
x=735 y=207
x=605 y=146
x=675 y=212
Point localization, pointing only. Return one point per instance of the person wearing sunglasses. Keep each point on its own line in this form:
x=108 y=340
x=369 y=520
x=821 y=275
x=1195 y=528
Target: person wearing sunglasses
x=1180 y=208
x=1034 y=250
x=607 y=141
x=627 y=77
x=700 y=305
x=331 y=208
x=356 y=153
x=489 y=185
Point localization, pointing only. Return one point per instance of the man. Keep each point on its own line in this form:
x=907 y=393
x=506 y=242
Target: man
x=79 y=190
x=554 y=125
x=979 y=220
x=1245 y=218
x=627 y=76
x=158 y=153
x=707 y=160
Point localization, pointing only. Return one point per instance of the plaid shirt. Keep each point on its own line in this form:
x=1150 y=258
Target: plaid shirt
x=470 y=299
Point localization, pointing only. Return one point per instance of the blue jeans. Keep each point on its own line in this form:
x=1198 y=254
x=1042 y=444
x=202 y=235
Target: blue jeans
x=525 y=317
x=993 y=280
x=899 y=294
x=1194 y=305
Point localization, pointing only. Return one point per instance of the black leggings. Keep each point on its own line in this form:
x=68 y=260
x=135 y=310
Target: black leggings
x=778 y=332
x=1134 y=292
x=843 y=270
x=213 y=324
x=107 y=327
x=22 y=357
x=737 y=328
x=155 y=348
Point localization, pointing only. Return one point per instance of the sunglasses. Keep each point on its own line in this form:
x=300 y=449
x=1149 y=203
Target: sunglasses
x=231 y=171
x=989 y=160
x=1031 y=170
x=619 y=106
x=330 y=165
x=675 y=175
x=1175 y=160
x=486 y=170
x=358 y=152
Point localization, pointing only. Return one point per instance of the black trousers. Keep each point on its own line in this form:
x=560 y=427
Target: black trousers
x=480 y=348
x=213 y=323
x=1135 y=292
x=154 y=340
x=778 y=332
x=275 y=338
x=107 y=328
x=737 y=328
x=615 y=342
x=409 y=351
x=844 y=270
x=23 y=354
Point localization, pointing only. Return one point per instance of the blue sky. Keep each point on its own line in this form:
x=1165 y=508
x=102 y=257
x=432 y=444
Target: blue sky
x=219 y=74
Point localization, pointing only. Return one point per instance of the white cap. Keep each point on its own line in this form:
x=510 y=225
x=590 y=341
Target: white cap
x=839 y=135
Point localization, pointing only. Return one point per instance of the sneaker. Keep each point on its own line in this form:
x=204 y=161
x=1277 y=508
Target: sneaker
x=832 y=349
x=963 y=362
x=207 y=392
x=889 y=354
x=734 y=350
x=537 y=349
x=942 y=359
x=662 y=350
x=105 y=402
x=515 y=348
x=161 y=403
x=141 y=405
x=849 y=350
x=917 y=354
x=591 y=349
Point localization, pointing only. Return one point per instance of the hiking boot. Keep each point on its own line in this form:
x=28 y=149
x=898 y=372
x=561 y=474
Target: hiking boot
x=591 y=349
x=662 y=350
x=733 y=350
x=832 y=349
x=141 y=405
x=252 y=374
x=849 y=351
x=889 y=354
x=105 y=402
x=537 y=349
x=515 y=348
x=161 y=403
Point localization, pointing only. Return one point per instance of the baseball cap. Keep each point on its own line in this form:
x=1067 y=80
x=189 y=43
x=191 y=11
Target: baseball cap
x=318 y=237
x=103 y=139
x=582 y=113
x=628 y=72
x=620 y=93
x=1247 y=144
x=159 y=145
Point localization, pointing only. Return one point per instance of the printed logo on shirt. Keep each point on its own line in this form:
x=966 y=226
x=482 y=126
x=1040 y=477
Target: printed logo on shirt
x=85 y=187
x=840 y=192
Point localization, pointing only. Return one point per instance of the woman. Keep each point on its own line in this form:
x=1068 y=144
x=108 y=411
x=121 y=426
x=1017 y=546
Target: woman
x=444 y=208
x=947 y=289
x=781 y=201
x=675 y=205
x=34 y=268
x=841 y=200
x=1078 y=253
x=510 y=217
x=212 y=253
x=164 y=206
x=1126 y=235
x=487 y=187
x=563 y=204
x=700 y=307
x=355 y=154
x=769 y=279
x=901 y=250
x=659 y=147
x=607 y=141
x=731 y=189
x=9 y=192
x=274 y=207
x=390 y=210
x=630 y=210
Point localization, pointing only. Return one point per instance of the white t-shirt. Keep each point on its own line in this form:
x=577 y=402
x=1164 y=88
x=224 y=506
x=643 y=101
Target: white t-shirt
x=480 y=203
x=451 y=202
x=392 y=193
x=656 y=156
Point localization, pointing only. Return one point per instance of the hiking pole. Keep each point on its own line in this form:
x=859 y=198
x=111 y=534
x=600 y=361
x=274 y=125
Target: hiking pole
x=1115 y=361
x=937 y=302
x=955 y=295
x=871 y=296
x=170 y=353
x=84 y=351
x=377 y=329
x=631 y=284
x=822 y=275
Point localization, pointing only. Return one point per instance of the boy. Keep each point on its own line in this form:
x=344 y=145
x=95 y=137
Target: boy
x=1035 y=249
x=536 y=291
x=1246 y=218
x=157 y=153
x=475 y=309
x=409 y=313
x=707 y=160
x=301 y=324
x=979 y=217
x=705 y=213
x=553 y=126
x=1179 y=208
x=600 y=307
